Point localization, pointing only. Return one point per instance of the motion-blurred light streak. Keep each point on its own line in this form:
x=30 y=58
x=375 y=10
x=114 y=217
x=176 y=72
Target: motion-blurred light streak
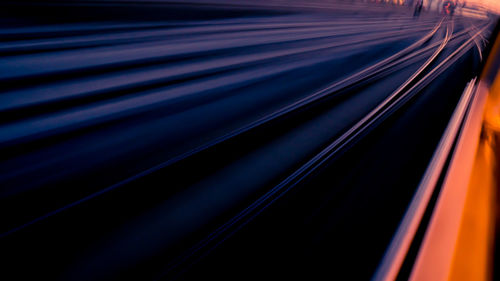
x=214 y=138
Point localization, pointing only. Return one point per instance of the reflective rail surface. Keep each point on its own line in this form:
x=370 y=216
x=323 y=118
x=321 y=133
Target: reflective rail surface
x=235 y=139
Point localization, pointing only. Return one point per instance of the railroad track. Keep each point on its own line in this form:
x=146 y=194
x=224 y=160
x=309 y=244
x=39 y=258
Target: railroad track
x=402 y=95
x=146 y=205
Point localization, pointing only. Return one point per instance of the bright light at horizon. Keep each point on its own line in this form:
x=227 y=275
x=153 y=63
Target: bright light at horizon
x=493 y=5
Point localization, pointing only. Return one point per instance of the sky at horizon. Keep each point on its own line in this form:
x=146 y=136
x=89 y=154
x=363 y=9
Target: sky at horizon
x=494 y=5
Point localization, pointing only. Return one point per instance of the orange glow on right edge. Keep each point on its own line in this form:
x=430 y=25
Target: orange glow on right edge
x=474 y=249
x=473 y=252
